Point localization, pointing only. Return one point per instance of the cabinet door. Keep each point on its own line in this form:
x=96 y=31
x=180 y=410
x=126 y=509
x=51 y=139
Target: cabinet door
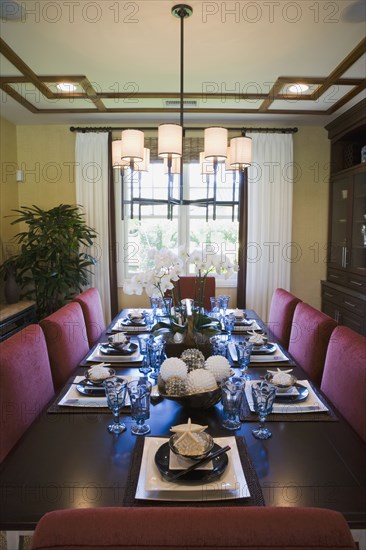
x=341 y=189
x=358 y=245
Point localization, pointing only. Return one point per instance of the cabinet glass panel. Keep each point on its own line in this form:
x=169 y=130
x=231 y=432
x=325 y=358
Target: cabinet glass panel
x=338 y=241
x=358 y=251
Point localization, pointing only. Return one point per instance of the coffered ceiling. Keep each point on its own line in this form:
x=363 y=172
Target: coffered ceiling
x=240 y=57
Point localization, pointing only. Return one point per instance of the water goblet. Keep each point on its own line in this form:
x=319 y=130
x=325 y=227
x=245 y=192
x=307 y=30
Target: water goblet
x=229 y=322
x=231 y=396
x=263 y=397
x=149 y=319
x=143 y=341
x=115 y=390
x=155 y=355
x=215 y=304
x=139 y=392
x=243 y=352
x=224 y=302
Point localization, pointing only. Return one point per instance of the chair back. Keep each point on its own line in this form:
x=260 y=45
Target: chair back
x=310 y=333
x=344 y=377
x=25 y=384
x=91 y=304
x=281 y=313
x=186 y=288
x=193 y=528
x=67 y=341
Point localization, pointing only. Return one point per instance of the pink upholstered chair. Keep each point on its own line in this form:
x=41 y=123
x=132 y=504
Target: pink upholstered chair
x=67 y=341
x=91 y=305
x=310 y=333
x=25 y=384
x=193 y=528
x=344 y=377
x=281 y=313
x=186 y=289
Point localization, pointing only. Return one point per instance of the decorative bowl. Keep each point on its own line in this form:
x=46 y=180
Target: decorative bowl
x=281 y=388
x=204 y=437
x=196 y=400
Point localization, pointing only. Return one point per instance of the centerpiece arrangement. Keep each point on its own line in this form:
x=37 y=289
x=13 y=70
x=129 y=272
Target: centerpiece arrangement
x=187 y=322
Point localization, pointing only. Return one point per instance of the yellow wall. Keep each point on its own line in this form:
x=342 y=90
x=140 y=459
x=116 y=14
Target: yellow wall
x=8 y=186
x=46 y=154
x=310 y=212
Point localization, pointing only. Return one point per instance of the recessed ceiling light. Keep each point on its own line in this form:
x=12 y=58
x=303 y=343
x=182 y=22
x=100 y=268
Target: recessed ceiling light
x=298 y=88
x=66 y=87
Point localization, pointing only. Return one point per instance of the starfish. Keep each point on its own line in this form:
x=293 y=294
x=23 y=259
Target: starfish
x=187 y=430
x=279 y=371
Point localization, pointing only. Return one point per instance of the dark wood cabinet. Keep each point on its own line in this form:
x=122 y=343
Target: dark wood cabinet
x=343 y=294
x=14 y=317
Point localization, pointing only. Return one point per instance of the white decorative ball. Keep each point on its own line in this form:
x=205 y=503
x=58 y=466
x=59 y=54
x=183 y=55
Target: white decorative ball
x=219 y=366
x=173 y=367
x=200 y=381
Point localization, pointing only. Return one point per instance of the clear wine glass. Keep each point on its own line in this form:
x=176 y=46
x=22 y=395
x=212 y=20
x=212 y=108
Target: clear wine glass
x=243 y=352
x=115 y=390
x=139 y=392
x=263 y=397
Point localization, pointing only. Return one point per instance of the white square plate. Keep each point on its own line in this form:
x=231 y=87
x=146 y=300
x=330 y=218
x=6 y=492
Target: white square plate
x=151 y=486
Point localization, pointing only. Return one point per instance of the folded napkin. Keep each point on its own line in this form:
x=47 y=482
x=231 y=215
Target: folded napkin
x=73 y=398
x=275 y=357
x=311 y=404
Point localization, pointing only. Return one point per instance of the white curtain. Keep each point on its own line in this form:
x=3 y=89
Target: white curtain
x=270 y=250
x=91 y=155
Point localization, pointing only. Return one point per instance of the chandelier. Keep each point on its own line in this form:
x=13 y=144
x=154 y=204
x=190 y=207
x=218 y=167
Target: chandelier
x=132 y=158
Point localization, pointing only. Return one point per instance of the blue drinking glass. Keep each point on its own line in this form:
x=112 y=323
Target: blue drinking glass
x=243 y=352
x=139 y=393
x=229 y=322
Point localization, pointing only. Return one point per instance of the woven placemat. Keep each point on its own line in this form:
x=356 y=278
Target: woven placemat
x=255 y=499
x=246 y=415
x=56 y=408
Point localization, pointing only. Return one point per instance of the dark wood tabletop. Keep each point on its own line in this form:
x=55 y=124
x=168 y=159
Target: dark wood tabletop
x=70 y=460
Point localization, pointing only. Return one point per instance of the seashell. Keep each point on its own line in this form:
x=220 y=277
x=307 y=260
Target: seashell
x=178 y=337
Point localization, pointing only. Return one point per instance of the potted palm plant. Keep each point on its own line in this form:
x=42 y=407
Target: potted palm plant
x=53 y=262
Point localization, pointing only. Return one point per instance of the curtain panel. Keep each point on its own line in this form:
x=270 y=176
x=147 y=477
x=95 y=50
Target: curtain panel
x=92 y=173
x=269 y=249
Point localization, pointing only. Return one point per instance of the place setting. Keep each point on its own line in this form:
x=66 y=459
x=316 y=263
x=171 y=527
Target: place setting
x=119 y=348
x=291 y=398
x=192 y=466
x=89 y=391
x=136 y=321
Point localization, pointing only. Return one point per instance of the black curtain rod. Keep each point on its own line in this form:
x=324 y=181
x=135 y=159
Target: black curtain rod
x=240 y=129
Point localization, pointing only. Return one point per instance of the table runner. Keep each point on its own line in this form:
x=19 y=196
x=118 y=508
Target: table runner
x=246 y=415
x=256 y=498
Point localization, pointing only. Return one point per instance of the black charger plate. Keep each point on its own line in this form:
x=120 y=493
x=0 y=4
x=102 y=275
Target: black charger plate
x=107 y=349
x=195 y=476
x=132 y=323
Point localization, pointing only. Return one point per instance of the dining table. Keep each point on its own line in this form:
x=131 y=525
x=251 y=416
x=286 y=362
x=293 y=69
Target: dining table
x=68 y=458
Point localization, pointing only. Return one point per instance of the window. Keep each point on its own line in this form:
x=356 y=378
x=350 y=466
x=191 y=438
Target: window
x=189 y=225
